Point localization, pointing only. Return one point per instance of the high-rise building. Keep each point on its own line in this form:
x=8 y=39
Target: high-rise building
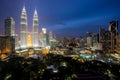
x=52 y=40
x=96 y=44
x=89 y=40
x=113 y=29
x=44 y=37
x=10 y=30
x=23 y=29
x=107 y=42
x=101 y=35
x=35 y=30
x=51 y=37
x=9 y=26
x=95 y=38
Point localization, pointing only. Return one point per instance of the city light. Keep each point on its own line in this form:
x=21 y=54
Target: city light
x=54 y=42
x=29 y=40
x=44 y=30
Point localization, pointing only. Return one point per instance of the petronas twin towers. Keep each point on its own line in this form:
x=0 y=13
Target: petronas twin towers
x=24 y=30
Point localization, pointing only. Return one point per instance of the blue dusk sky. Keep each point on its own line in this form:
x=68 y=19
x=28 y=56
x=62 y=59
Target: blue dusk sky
x=64 y=17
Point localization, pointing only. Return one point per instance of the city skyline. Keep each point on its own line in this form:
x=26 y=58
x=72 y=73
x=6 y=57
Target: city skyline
x=59 y=40
x=73 y=18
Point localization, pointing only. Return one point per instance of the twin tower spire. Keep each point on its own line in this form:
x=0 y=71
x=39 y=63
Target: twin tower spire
x=24 y=41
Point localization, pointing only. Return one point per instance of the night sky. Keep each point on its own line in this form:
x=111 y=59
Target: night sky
x=64 y=17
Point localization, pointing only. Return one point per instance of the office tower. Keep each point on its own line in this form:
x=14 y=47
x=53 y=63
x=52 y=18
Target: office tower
x=51 y=37
x=95 y=38
x=101 y=35
x=96 y=44
x=23 y=29
x=35 y=30
x=9 y=26
x=113 y=29
x=44 y=37
x=52 y=40
x=47 y=39
x=89 y=39
x=107 y=42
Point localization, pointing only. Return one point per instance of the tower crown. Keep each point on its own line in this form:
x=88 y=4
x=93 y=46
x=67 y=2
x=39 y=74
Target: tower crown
x=35 y=11
x=35 y=15
x=23 y=14
x=23 y=10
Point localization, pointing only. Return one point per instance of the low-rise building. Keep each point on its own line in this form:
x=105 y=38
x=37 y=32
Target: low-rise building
x=7 y=45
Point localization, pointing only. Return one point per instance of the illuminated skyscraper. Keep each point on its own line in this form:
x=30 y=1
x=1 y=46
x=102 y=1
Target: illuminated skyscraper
x=9 y=27
x=113 y=29
x=89 y=39
x=51 y=37
x=35 y=30
x=44 y=37
x=23 y=29
x=52 y=40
